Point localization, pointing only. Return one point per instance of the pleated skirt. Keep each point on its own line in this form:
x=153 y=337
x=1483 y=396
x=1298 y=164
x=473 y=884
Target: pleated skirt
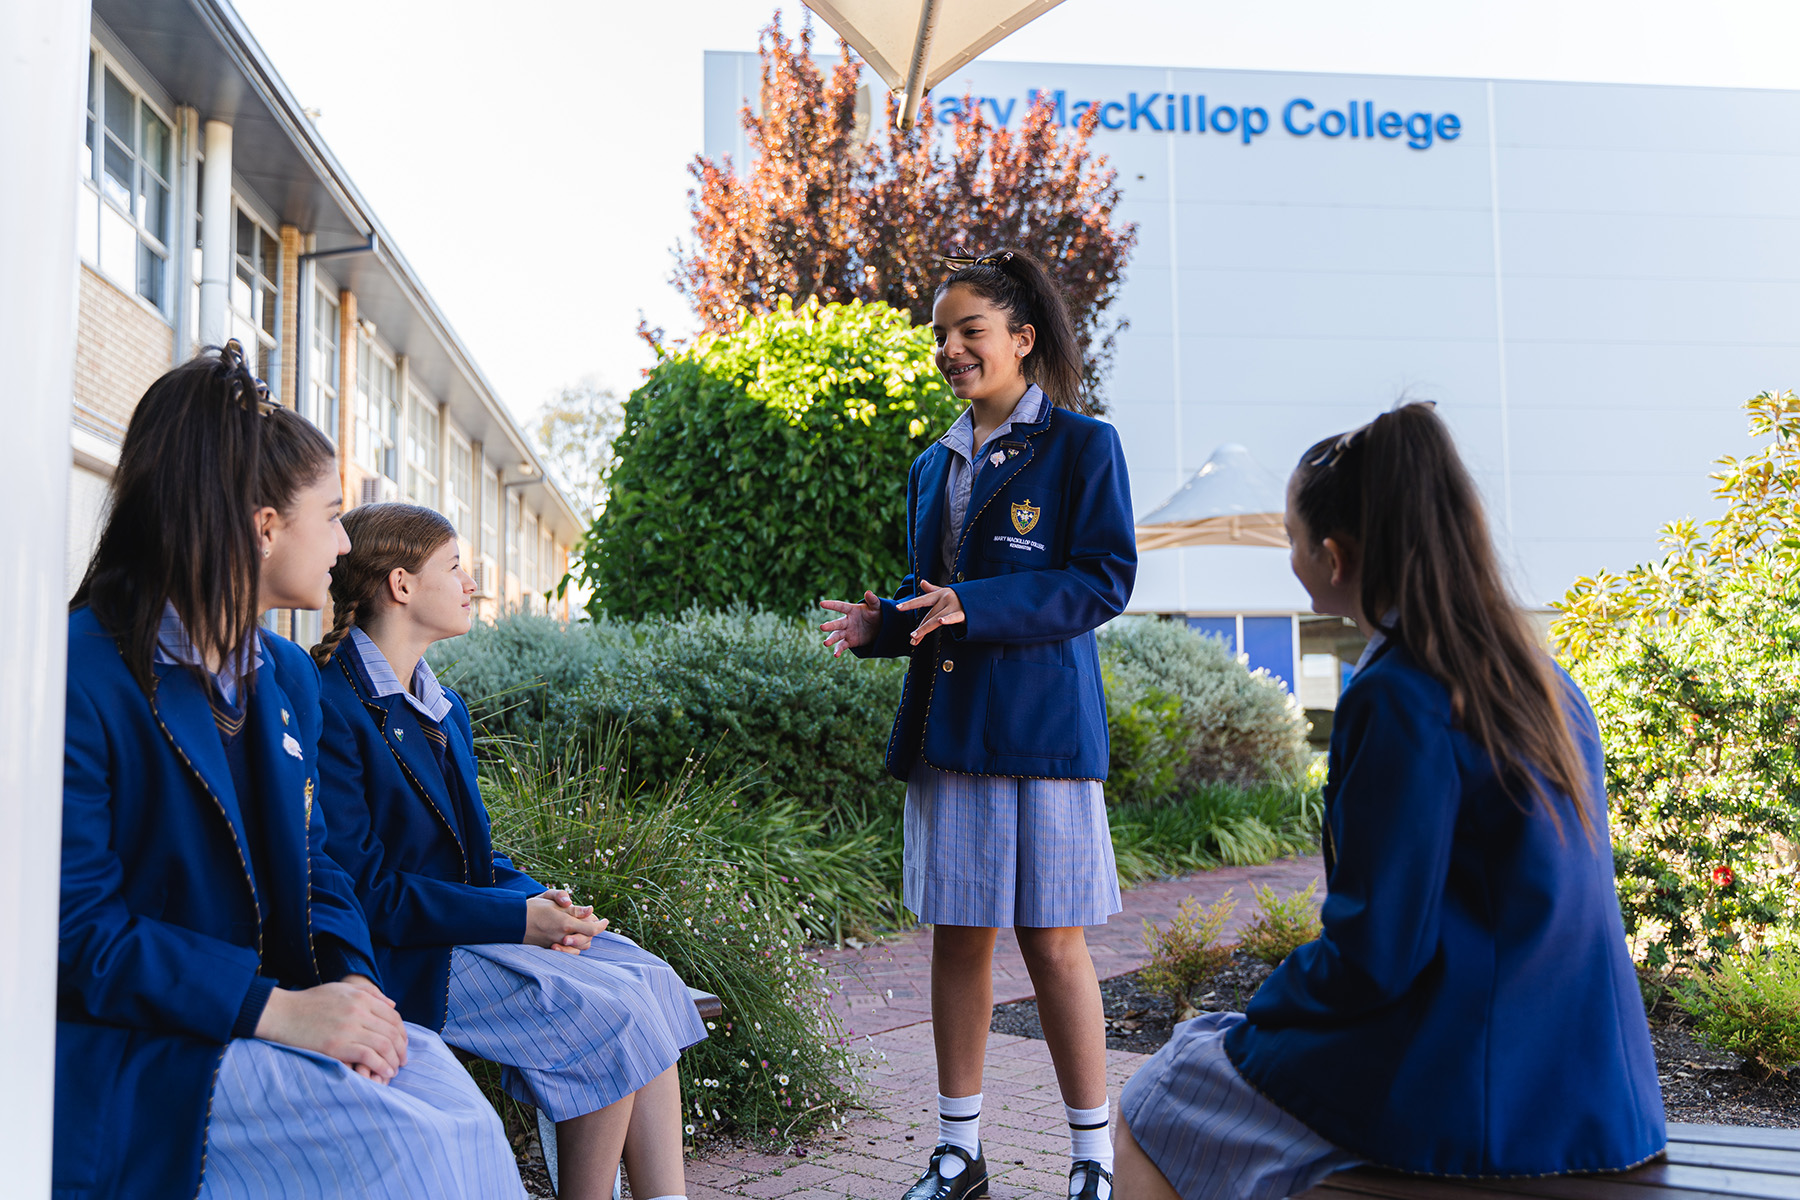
x=1212 y=1135
x=574 y=1033
x=998 y=851
x=291 y=1124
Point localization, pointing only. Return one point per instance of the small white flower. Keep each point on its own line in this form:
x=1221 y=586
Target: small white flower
x=782 y=1080
x=290 y=745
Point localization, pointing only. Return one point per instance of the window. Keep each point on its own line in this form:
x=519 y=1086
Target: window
x=421 y=449
x=528 y=574
x=377 y=415
x=322 y=402
x=256 y=293
x=127 y=211
x=547 y=576
x=512 y=538
x=490 y=513
x=458 y=497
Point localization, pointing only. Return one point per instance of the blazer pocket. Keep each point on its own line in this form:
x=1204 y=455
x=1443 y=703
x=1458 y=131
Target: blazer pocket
x=1031 y=710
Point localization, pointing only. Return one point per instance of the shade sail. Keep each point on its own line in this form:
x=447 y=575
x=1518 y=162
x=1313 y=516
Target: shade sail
x=1231 y=501
x=916 y=44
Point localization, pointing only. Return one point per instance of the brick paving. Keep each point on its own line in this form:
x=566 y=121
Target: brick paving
x=882 y=1150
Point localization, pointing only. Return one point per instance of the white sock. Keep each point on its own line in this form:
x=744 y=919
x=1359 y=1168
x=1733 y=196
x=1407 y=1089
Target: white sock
x=959 y=1124
x=1088 y=1140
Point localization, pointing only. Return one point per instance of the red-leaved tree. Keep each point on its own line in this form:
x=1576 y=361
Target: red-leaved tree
x=826 y=210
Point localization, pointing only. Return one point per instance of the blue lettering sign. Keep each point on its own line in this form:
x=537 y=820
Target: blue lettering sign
x=1106 y=109
x=1060 y=118
x=1389 y=125
x=1224 y=120
x=1331 y=124
x=1143 y=110
x=1448 y=128
x=1000 y=115
x=946 y=111
x=1287 y=117
x=1418 y=131
x=1255 y=123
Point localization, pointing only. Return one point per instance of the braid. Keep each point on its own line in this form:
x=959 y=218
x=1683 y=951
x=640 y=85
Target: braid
x=343 y=617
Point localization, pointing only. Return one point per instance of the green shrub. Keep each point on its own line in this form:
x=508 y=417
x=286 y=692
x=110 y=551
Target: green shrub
x=769 y=464
x=1188 y=952
x=1218 y=824
x=1693 y=668
x=1281 y=926
x=659 y=863
x=1243 y=727
x=1750 y=1005
x=1149 y=736
x=522 y=676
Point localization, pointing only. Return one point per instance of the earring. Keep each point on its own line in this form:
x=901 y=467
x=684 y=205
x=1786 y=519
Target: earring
x=266 y=552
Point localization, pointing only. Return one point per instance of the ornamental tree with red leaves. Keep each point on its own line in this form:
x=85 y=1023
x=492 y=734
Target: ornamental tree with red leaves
x=828 y=210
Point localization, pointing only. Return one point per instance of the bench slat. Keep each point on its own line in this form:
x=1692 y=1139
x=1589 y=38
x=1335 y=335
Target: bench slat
x=1749 y=1158
x=1736 y=1135
x=710 y=1006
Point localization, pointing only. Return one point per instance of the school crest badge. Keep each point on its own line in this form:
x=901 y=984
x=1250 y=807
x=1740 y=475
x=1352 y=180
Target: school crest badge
x=1024 y=516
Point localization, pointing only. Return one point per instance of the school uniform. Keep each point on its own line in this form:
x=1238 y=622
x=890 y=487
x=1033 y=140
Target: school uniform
x=1001 y=734
x=194 y=883
x=1470 y=1008
x=447 y=912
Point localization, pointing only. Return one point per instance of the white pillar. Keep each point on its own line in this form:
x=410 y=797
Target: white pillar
x=43 y=60
x=216 y=234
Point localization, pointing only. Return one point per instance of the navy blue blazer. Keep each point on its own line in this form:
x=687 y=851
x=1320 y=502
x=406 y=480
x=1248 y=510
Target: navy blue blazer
x=1471 y=1007
x=1047 y=555
x=417 y=845
x=161 y=944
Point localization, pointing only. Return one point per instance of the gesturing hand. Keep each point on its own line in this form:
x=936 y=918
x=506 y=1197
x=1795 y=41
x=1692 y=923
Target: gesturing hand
x=945 y=608
x=554 y=921
x=349 y=1020
x=857 y=627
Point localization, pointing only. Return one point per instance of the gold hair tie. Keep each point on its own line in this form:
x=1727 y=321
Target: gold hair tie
x=986 y=260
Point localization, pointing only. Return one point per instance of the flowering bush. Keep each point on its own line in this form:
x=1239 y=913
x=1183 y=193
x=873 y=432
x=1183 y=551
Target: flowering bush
x=1188 y=952
x=1693 y=667
x=653 y=861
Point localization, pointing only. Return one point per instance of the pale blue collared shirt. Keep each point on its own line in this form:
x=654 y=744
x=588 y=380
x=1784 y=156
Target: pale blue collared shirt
x=966 y=464
x=173 y=646
x=426 y=694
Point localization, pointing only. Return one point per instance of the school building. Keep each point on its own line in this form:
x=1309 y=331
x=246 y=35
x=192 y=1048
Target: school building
x=1589 y=279
x=210 y=208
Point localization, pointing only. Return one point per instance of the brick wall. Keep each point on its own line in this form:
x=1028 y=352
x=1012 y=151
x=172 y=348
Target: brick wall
x=122 y=349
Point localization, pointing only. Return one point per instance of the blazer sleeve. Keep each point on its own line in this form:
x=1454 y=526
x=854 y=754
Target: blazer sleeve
x=1100 y=564
x=114 y=965
x=404 y=908
x=893 y=637
x=1393 y=820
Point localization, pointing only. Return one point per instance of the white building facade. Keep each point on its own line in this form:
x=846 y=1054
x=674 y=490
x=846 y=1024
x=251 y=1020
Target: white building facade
x=1589 y=279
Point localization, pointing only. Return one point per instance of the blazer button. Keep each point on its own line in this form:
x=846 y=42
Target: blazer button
x=959 y=577
x=949 y=665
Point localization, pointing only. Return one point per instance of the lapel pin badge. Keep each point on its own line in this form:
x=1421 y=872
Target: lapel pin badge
x=997 y=457
x=290 y=745
x=284 y=716
x=398 y=734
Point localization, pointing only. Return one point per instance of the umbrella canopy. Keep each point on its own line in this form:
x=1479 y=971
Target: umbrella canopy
x=916 y=44
x=1231 y=501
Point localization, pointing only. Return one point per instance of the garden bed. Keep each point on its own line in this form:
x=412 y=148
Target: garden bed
x=1698 y=1084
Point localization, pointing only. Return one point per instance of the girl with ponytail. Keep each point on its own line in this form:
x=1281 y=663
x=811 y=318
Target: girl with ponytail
x=588 y=1025
x=1020 y=545
x=220 y=1018
x=1470 y=1008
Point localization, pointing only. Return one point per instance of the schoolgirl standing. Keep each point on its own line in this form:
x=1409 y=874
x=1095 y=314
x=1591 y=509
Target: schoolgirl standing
x=1020 y=545
x=219 y=1025
x=590 y=1035
x=1470 y=1008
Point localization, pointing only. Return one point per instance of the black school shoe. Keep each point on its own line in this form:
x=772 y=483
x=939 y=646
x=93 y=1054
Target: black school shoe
x=1097 y=1186
x=971 y=1184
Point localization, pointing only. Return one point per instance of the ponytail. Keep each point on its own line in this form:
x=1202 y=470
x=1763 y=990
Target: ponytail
x=205 y=449
x=382 y=537
x=1432 y=582
x=1016 y=283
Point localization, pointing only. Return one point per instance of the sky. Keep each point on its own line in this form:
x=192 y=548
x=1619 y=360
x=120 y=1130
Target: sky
x=530 y=158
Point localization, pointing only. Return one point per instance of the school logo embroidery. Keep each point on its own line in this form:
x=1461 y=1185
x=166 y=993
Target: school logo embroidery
x=1024 y=516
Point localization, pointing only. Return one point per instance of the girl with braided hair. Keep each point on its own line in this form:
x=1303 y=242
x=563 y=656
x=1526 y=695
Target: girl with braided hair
x=222 y=1028
x=1020 y=544
x=587 y=1025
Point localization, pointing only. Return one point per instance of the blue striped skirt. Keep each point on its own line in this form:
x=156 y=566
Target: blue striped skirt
x=290 y=1124
x=1212 y=1135
x=574 y=1032
x=998 y=851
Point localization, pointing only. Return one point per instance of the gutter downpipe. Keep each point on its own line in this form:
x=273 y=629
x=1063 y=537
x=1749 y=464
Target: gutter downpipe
x=302 y=348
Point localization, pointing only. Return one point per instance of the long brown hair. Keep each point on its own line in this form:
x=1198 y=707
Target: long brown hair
x=1432 y=583
x=1017 y=284
x=205 y=449
x=382 y=537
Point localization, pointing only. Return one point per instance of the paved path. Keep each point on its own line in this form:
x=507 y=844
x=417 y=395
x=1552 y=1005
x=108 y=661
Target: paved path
x=880 y=1152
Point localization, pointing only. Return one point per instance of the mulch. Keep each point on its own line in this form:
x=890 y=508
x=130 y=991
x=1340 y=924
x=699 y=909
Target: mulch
x=1699 y=1084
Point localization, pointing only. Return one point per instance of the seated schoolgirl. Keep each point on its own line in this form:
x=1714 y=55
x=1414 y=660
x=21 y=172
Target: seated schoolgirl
x=589 y=1035
x=220 y=1030
x=1470 y=1008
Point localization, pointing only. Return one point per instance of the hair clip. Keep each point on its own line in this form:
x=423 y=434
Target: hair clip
x=1343 y=444
x=232 y=356
x=986 y=260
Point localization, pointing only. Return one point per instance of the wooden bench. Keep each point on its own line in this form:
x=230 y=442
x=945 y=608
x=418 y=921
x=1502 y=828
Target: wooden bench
x=1714 y=1162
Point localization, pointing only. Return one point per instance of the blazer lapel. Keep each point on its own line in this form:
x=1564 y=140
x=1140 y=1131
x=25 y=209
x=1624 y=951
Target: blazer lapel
x=285 y=783
x=928 y=533
x=479 y=846
x=406 y=741
x=989 y=479
x=184 y=711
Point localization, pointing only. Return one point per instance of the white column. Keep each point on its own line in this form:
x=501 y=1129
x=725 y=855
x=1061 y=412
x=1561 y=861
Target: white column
x=43 y=60
x=216 y=232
